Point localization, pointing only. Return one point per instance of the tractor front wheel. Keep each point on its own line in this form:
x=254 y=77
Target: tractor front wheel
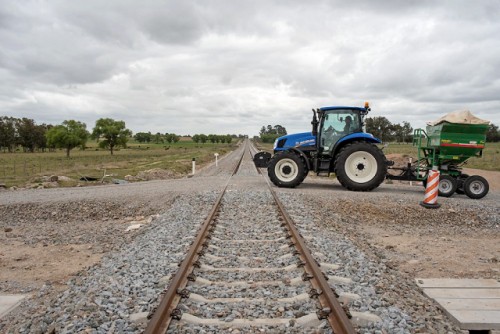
x=287 y=170
x=360 y=166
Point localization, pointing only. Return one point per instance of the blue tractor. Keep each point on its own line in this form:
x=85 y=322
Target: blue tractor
x=337 y=144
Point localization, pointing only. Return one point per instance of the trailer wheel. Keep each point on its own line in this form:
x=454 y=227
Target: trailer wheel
x=360 y=166
x=287 y=170
x=447 y=185
x=476 y=187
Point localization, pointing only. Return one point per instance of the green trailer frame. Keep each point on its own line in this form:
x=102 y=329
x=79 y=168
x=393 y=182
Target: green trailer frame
x=446 y=147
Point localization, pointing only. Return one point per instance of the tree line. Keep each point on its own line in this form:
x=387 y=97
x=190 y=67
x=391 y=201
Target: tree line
x=201 y=138
x=157 y=138
x=386 y=131
x=25 y=133
x=382 y=128
x=70 y=134
x=493 y=135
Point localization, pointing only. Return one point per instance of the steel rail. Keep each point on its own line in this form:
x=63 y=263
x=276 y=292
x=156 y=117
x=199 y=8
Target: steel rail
x=336 y=315
x=255 y=150
x=161 y=318
x=333 y=310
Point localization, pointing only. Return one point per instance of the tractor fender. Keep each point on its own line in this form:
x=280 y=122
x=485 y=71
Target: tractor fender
x=302 y=154
x=358 y=136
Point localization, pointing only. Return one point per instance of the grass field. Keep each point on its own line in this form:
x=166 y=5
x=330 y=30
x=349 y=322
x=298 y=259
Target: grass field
x=17 y=169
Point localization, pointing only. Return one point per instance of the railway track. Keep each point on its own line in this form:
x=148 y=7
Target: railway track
x=248 y=269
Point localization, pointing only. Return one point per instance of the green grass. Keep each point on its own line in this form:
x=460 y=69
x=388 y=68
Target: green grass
x=17 y=169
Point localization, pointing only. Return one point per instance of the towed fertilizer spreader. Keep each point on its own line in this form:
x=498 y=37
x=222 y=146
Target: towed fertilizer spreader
x=446 y=145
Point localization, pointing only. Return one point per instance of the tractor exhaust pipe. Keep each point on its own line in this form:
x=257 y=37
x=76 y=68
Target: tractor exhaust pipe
x=314 y=123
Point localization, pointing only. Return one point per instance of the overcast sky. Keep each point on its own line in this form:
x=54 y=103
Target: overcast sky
x=228 y=66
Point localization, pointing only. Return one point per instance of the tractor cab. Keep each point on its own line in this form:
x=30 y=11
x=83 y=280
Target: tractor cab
x=336 y=123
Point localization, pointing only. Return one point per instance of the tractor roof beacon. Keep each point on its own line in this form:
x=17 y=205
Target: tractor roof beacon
x=337 y=144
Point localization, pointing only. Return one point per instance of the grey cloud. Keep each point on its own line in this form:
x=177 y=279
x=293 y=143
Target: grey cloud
x=218 y=66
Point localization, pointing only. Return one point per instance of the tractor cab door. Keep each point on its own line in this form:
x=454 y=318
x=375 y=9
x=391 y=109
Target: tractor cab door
x=336 y=124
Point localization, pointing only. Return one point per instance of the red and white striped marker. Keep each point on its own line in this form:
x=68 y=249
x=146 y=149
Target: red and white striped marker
x=431 y=190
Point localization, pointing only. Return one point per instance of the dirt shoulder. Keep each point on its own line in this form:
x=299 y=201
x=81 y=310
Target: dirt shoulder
x=459 y=240
x=48 y=242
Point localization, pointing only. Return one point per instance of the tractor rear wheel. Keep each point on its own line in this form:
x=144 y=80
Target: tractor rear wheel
x=476 y=187
x=360 y=166
x=287 y=170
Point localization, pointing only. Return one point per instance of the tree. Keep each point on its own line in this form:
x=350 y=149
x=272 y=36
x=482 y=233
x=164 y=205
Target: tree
x=270 y=133
x=26 y=129
x=407 y=132
x=158 y=138
x=379 y=127
x=493 y=135
x=280 y=130
x=397 y=132
x=8 y=133
x=113 y=133
x=143 y=137
x=173 y=138
x=68 y=135
x=39 y=136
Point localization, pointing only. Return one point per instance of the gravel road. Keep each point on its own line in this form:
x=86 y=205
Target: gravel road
x=113 y=275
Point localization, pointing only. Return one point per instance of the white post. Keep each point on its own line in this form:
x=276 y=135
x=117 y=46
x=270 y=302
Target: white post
x=411 y=182
x=216 y=161
x=194 y=165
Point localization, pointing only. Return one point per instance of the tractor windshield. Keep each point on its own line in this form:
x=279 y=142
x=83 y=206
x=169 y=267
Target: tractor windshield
x=336 y=124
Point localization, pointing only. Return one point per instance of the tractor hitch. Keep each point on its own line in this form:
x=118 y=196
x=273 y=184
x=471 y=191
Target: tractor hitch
x=261 y=159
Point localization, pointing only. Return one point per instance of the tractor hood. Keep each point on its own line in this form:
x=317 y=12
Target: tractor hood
x=304 y=139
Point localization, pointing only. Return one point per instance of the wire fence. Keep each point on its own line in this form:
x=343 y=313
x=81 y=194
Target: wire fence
x=15 y=169
x=19 y=168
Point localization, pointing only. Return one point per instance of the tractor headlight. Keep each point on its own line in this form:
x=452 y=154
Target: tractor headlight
x=275 y=144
